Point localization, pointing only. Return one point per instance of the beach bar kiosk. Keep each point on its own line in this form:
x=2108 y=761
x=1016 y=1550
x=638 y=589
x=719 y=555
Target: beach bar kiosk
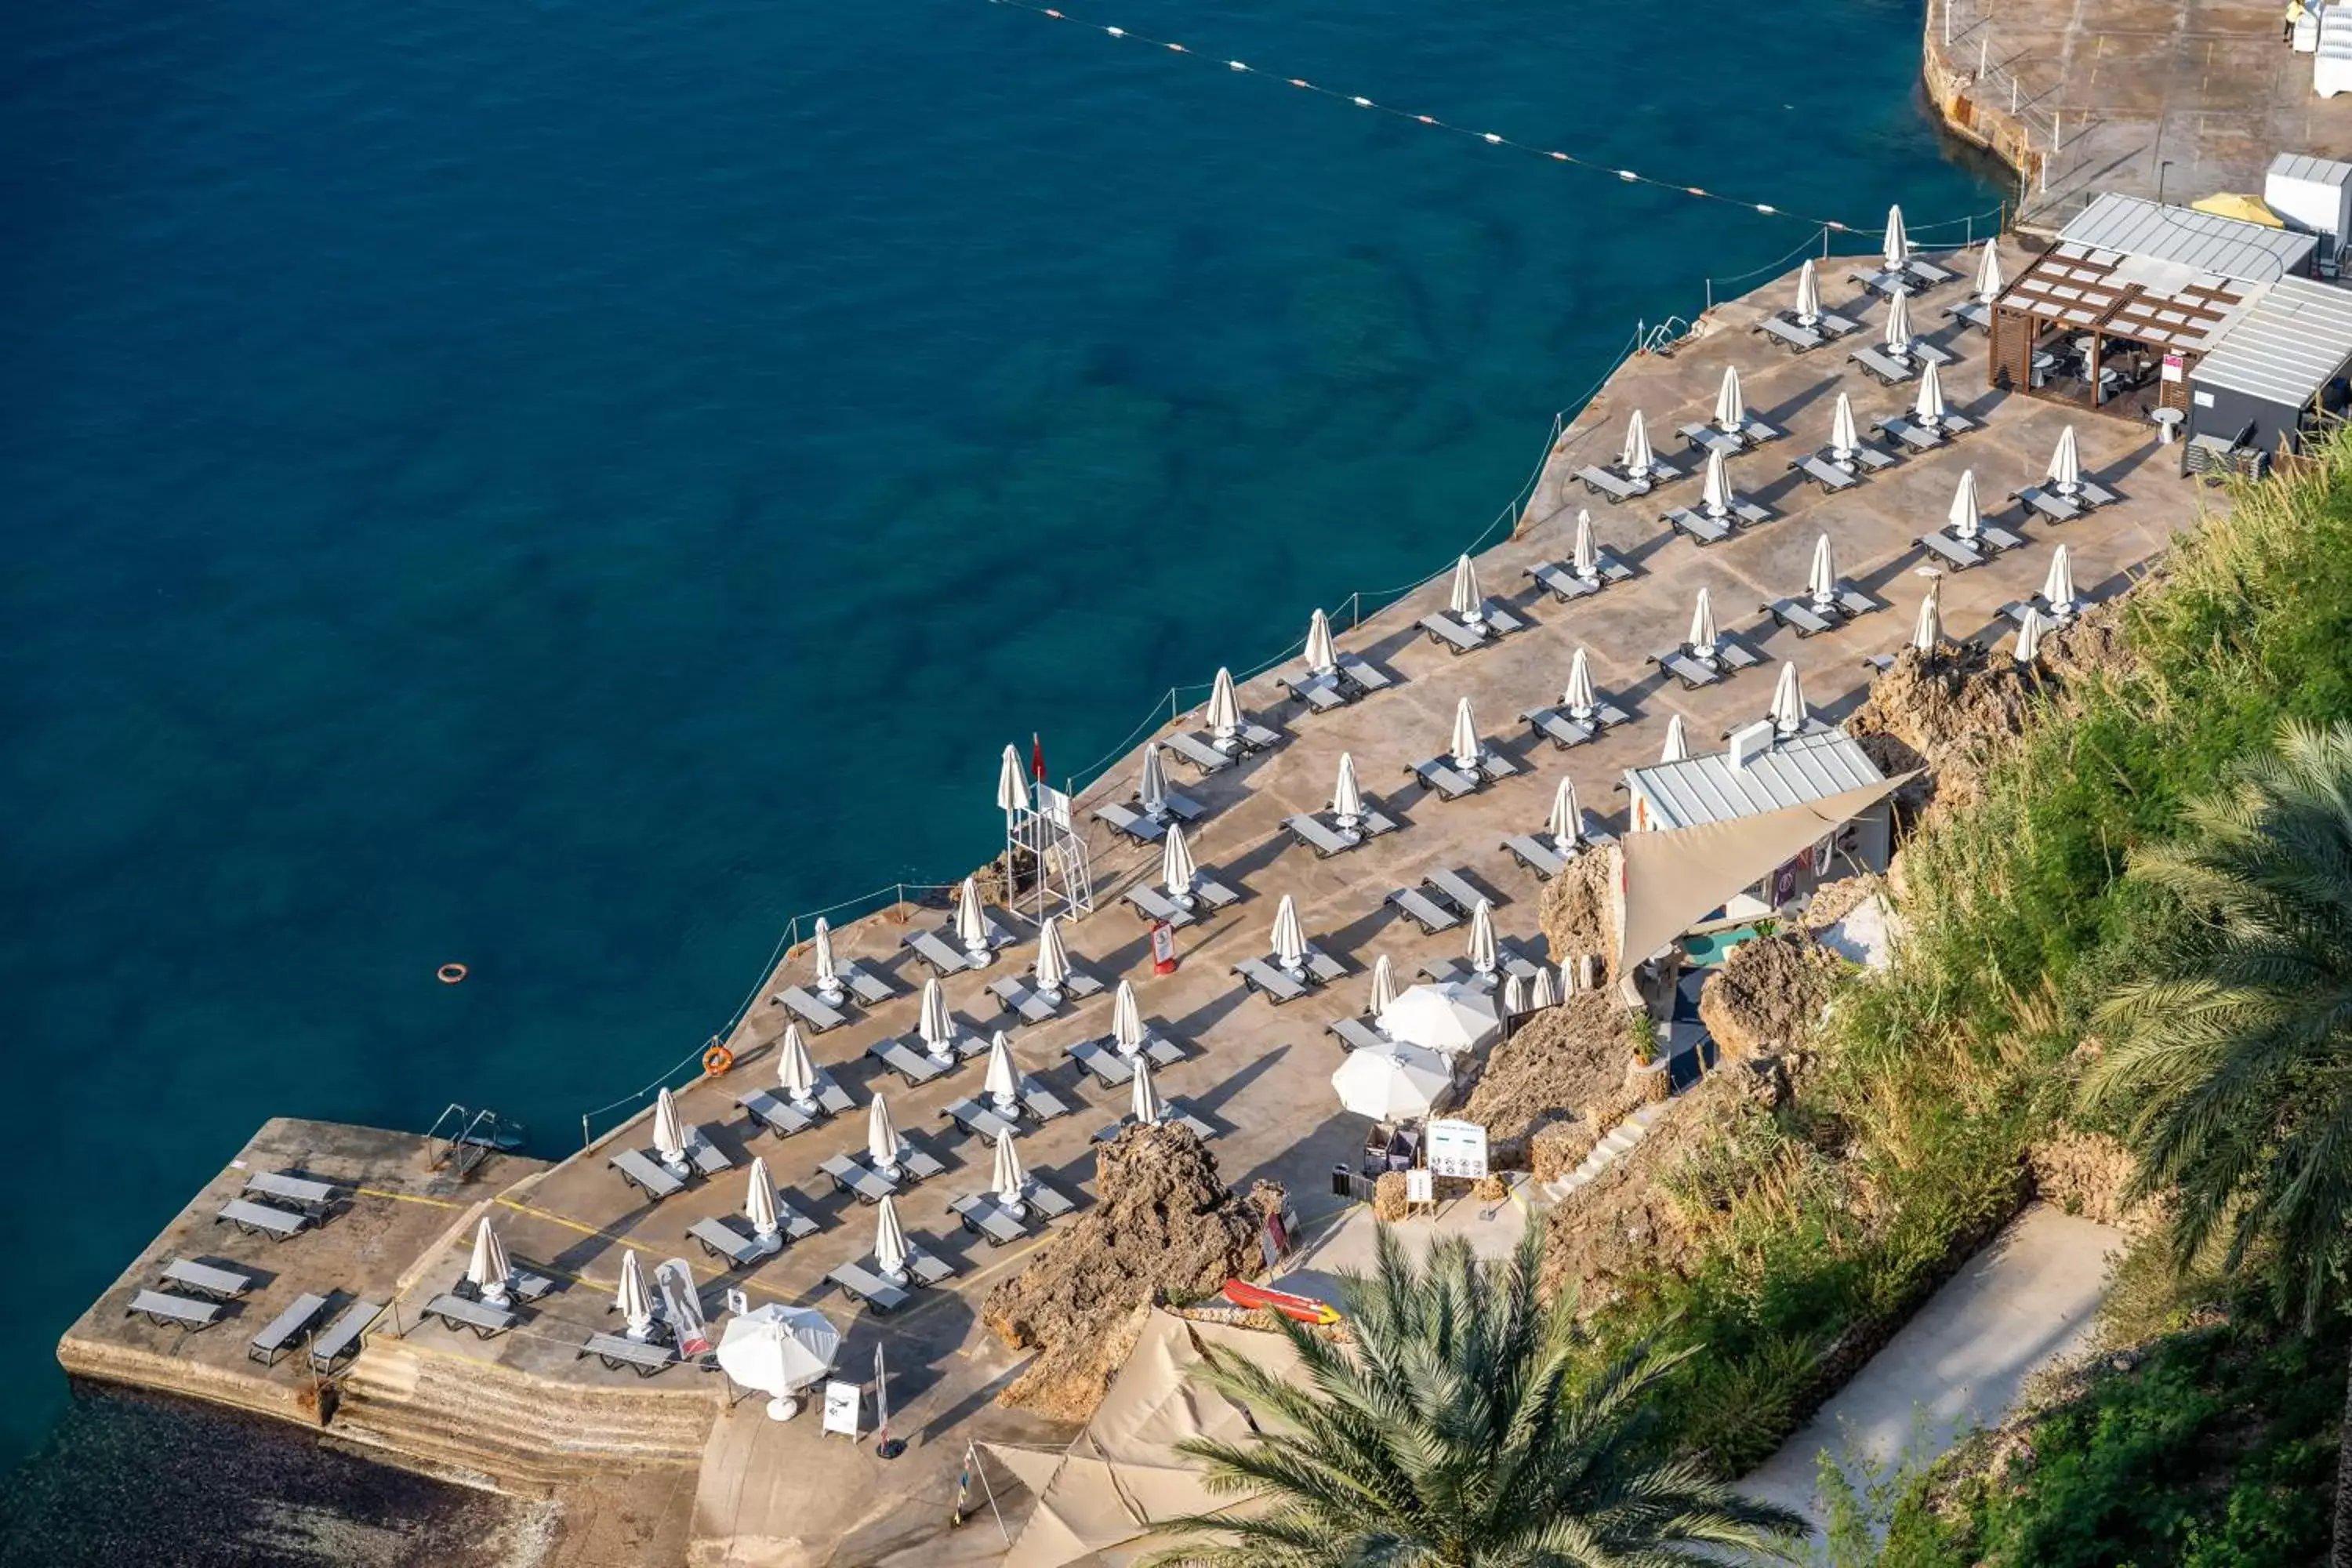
x=2279 y=369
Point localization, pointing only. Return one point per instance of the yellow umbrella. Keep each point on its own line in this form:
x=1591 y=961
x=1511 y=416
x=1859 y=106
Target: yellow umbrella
x=2244 y=208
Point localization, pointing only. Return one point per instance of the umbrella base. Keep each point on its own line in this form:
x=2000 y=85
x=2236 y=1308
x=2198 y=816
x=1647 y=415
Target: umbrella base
x=783 y=1407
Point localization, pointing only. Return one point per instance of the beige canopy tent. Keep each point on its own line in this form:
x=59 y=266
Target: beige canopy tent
x=1666 y=880
x=1102 y=1496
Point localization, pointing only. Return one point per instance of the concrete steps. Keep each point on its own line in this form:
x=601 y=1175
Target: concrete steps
x=1619 y=1139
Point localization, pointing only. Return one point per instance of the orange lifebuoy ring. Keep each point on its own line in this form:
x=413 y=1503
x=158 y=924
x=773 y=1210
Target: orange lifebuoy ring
x=717 y=1061
x=450 y=973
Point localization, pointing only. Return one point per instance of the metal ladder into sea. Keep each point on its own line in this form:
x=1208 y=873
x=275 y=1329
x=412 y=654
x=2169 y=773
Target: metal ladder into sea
x=460 y=1140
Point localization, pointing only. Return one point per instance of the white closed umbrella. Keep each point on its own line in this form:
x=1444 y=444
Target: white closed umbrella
x=1052 y=970
x=890 y=1249
x=1152 y=789
x=1702 y=642
x=1514 y=996
x=1989 y=282
x=1126 y=1020
x=795 y=1072
x=1177 y=872
x=1143 y=1101
x=1637 y=458
x=636 y=1303
x=1346 y=799
x=1788 y=711
x=1730 y=408
x=1224 y=715
x=779 y=1350
x=1545 y=992
x=760 y=1206
x=1008 y=1181
x=1012 y=784
x=1846 y=437
x=1928 y=406
x=2058 y=587
x=1001 y=1082
x=881 y=1140
x=1678 y=746
x=1384 y=983
x=1467 y=751
x=1965 y=518
x=2066 y=464
x=1809 y=294
x=1579 y=698
x=1483 y=953
x=1322 y=658
x=1586 y=560
x=1396 y=1083
x=489 y=1272
x=1927 y=631
x=1821 y=581
x=828 y=977
x=669 y=1133
x=1467 y=601
x=1898 y=326
x=1290 y=941
x=933 y=1024
x=972 y=923
x=1715 y=490
x=2029 y=636
x=1899 y=244
x=1567 y=824
x=1452 y=1018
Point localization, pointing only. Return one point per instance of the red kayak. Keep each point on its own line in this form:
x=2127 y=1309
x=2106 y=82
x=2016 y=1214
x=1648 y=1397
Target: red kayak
x=1303 y=1308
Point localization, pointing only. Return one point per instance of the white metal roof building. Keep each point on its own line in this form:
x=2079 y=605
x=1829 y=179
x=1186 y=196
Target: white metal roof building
x=2222 y=247
x=1792 y=772
x=2282 y=358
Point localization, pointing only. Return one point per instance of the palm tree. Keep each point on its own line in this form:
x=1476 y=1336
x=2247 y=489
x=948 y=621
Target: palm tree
x=1454 y=1433
x=2233 y=1058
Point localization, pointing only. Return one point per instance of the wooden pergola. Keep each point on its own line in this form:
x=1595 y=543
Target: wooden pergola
x=2075 y=290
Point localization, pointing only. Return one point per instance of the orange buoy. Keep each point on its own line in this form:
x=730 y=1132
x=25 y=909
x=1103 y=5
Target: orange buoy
x=450 y=973
x=717 y=1061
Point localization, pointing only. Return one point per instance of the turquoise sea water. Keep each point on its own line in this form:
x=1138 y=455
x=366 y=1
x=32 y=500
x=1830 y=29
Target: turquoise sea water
x=565 y=487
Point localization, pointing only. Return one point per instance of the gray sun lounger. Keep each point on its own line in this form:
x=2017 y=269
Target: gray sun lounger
x=205 y=1279
x=486 y=1321
x=1143 y=827
x=1458 y=636
x=1555 y=724
x=1515 y=959
x=1731 y=658
x=287 y=1329
x=1431 y=916
x=810 y=1009
x=862 y=1284
x=1269 y=980
x=1796 y=338
x=645 y=1173
x=166 y=1310
x=1455 y=889
x=1750 y=435
x=1825 y=473
x=1315 y=830
x=944 y=957
x=1884 y=367
x=1558 y=578
x=1810 y=620
x=730 y=1235
x=979 y=1121
x=1537 y=853
x=313 y=1198
x=1975 y=313
x=1323 y=691
x=1886 y=282
x=263 y=1219
x=1918 y=438
x=345 y=1335
x=853 y=1176
x=1697 y=527
x=865 y=984
x=1040 y=1101
x=1153 y=903
x=1450 y=783
x=775 y=1112
x=1608 y=482
x=1108 y=1065
x=911 y=1062
x=617 y=1350
x=1356 y=1034
x=983 y=1216
x=707 y=1156
x=1177 y=1112
x=1196 y=748
x=1023 y=999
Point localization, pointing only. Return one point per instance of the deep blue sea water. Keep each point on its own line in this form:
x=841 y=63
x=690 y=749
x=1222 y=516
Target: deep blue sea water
x=563 y=486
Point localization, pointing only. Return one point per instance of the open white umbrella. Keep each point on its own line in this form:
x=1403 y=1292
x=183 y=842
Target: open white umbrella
x=1008 y=1181
x=1715 y=490
x=636 y=1303
x=2066 y=464
x=1177 y=872
x=972 y=923
x=1846 y=437
x=1456 y=1017
x=1702 y=642
x=760 y=1206
x=2029 y=636
x=1788 y=711
x=1052 y=970
x=1809 y=294
x=1965 y=518
x=1346 y=799
x=1012 y=784
x=1152 y=789
x=2058 y=588
x=1396 y=1083
x=1143 y=1101
x=1467 y=751
x=1384 y=983
x=779 y=1350
x=1678 y=746
x=1322 y=658
x=1001 y=1082
x=795 y=1072
x=1927 y=631
x=1579 y=699
x=881 y=1140
x=1637 y=459
x=1571 y=982
x=1545 y=992
x=1898 y=326
x=1586 y=560
x=890 y=1249
x=1290 y=941
x=1821 y=581
x=1928 y=408
x=1567 y=824
x=1730 y=408
x=828 y=977
x=1224 y=715
x=669 y=1133
x=1899 y=244
x=1515 y=995
x=1483 y=953
x=1467 y=601
x=933 y=1024
x=489 y=1272
x=1126 y=1020
x=1989 y=281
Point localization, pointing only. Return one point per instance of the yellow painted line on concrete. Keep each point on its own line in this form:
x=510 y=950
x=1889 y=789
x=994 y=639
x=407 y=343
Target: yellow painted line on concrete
x=408 y=1198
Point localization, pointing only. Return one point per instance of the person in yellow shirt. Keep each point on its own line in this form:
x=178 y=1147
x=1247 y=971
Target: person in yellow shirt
x=2294 y=13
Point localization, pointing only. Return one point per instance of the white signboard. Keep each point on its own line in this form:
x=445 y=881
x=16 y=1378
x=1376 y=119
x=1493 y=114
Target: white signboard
x=1053 y=805
x=1458 y=1149
x=1420 y=1186
x=840 y=1409
x=736 y=1301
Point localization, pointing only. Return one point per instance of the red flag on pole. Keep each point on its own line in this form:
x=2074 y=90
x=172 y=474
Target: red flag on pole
x=1038 y=756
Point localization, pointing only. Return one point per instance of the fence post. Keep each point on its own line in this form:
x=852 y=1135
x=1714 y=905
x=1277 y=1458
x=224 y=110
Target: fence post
x=1710 y=293
x=585 y=1142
